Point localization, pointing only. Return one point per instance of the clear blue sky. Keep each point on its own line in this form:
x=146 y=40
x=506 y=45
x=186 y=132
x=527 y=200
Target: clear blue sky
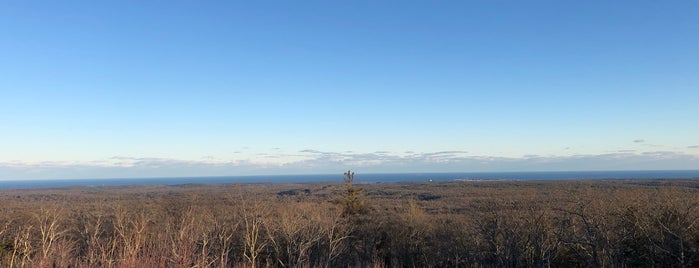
x=167 y=88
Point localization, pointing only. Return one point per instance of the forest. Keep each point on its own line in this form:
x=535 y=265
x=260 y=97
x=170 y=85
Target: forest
x=582 y=223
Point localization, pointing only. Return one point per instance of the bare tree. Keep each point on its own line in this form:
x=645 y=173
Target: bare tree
x=22 y=249
x=100 y=247
x=224 y=226
x=336 y=231
x=130 y=228
x=48 y=225
x=254 y=215
x=295 y=232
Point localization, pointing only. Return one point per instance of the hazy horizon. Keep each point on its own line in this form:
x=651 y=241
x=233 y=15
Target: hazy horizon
x=363 y=178
x=162 y=89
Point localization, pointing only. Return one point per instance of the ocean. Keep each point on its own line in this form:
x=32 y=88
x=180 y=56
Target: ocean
x=360 y=178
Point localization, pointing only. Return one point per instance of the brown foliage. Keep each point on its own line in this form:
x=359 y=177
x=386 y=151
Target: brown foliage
x=450 y=224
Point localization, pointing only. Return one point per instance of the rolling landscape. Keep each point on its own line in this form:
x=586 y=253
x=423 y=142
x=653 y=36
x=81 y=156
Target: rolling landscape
x=580 y=223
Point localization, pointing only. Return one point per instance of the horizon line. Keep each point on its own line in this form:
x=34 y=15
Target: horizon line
x=340 y=174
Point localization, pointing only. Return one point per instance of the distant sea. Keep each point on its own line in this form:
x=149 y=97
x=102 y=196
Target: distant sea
x=360 y=178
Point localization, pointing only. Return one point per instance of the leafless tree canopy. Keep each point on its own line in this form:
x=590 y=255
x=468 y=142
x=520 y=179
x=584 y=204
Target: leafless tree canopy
x=624 y=223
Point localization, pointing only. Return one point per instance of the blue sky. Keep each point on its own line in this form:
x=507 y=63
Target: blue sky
x=92 y=89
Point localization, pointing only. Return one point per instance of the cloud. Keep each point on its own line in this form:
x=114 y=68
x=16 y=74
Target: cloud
x=693 y=147
x=127 y=167
x=639 y=141
x=312 y=161
x=446 y=153
x=310 y=151
x=448 y=161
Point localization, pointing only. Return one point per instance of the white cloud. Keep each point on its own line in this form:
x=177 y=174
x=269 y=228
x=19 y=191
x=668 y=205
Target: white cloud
x=311 y=161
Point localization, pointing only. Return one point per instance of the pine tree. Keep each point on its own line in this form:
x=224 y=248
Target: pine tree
x=352 y=201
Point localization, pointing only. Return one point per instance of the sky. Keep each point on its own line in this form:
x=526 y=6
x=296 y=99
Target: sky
x=104 y=89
